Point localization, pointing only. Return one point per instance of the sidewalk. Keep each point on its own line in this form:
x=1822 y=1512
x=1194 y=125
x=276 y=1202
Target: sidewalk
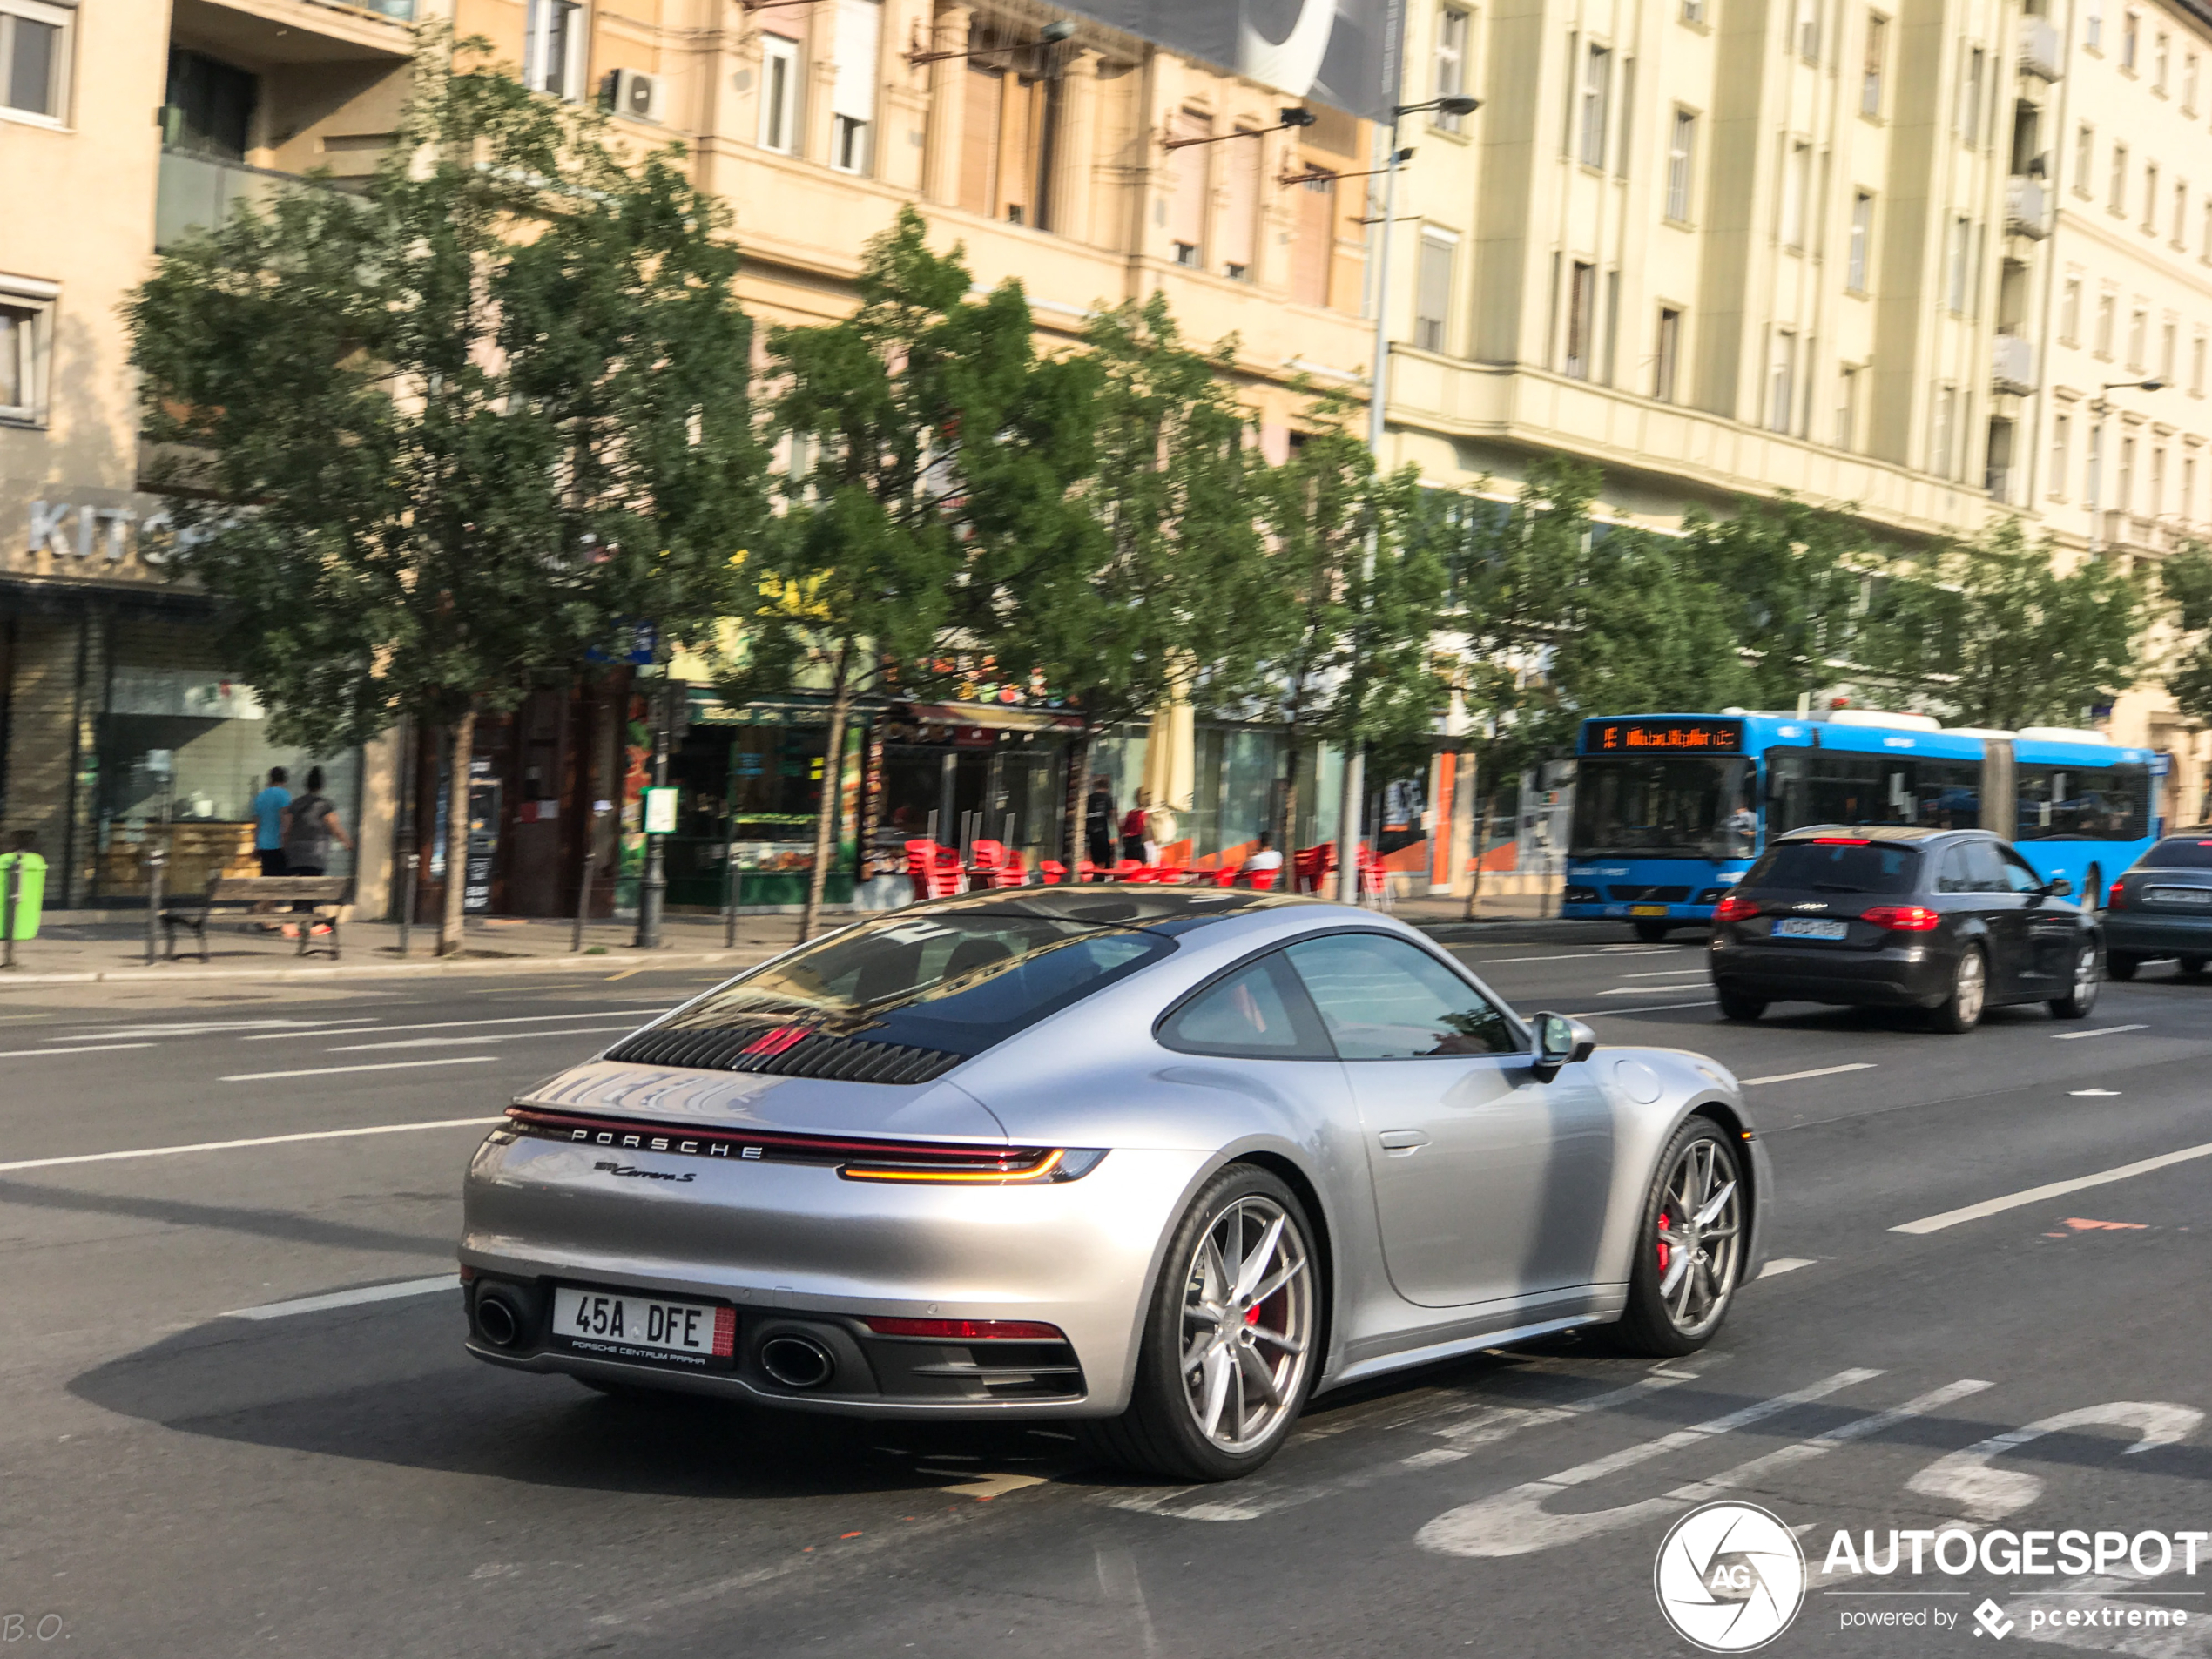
x=108 y=951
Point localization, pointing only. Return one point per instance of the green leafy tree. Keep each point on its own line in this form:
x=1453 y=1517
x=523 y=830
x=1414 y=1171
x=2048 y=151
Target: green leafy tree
x=1349 y=640
x=2186 y=583
x=1785 y=577
x=1151 y=593
x=443 y=437
x=938 y=452
x=1988 y=632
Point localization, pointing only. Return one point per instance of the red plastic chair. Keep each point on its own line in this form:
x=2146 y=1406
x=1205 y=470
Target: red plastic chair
x=1053 y=871
x=1131 y=870
x=1226 y=875
x=985 y=860
x=1263 y=880
x=1313 y=865
x=1372 y=882
x=1012 y=871
x=1086 y=870
x=934 y=870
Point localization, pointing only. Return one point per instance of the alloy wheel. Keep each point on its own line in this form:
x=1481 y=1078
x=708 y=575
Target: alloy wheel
x=1973 y=987
x=2086 y=977
x=1701 y=1241
x=1248 y=1323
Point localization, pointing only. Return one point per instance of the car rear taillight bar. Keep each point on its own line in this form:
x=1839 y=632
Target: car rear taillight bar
x=966 y=1330
x=1901 y=918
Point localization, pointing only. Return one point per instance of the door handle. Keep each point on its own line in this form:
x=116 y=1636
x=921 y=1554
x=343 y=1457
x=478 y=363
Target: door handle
x=1401 y=1142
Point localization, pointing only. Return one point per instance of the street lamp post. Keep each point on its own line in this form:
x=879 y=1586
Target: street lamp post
x=1355 y=756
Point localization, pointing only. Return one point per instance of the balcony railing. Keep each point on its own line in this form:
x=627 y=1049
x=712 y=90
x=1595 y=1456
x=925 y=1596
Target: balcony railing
x=196 y=191
x=2013 y=364
x=2026 y=207
x=2042 y=55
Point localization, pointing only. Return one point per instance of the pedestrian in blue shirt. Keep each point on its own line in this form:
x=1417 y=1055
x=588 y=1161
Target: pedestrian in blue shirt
x=269 y=807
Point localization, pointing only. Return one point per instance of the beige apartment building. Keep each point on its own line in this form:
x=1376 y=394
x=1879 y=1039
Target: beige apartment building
x=1884 y=254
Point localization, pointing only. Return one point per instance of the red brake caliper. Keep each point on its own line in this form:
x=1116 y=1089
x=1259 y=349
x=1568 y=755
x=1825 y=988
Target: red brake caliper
x=1665 y=1253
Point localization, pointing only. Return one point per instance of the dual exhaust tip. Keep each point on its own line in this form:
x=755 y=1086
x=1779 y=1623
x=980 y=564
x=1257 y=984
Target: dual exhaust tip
x=795 y=1361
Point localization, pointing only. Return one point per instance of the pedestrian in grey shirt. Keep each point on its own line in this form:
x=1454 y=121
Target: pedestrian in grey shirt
x=309 y=824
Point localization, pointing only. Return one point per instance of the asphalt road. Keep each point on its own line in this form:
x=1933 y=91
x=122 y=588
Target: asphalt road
x=340 y=1480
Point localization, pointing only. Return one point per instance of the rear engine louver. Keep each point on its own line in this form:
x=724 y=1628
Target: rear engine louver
x=748 y=1048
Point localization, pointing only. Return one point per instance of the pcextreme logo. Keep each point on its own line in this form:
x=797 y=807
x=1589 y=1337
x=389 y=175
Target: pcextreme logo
x=1729 y=1577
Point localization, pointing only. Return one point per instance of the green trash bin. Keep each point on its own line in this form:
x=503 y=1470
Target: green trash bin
x=31 y=896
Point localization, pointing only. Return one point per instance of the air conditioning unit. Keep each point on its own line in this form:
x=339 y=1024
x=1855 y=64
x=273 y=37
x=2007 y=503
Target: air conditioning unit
x=631 y=94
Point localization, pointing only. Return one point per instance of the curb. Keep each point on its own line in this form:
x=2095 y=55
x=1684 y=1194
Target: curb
x=740 y=958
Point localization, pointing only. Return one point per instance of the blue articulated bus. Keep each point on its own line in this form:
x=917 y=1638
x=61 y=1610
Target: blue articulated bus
x=1670 y=809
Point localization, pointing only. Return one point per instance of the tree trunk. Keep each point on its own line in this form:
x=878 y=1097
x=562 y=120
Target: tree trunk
x=1481 y=844
x=832 y=790
x=464 y=743
x=1288 y=828
x=1075 y=831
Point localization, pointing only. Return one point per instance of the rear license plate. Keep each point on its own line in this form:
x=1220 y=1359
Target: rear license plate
x=696 y=1335
x=2199 y=896
x=1800 y=927
x=1647 y=910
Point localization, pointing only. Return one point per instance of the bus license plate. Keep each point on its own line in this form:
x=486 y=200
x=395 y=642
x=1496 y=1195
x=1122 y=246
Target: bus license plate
x=1801 y=928
x=1647 y=910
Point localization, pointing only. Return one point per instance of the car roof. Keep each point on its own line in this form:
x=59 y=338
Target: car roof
x=1117 y=904
x=1887 y=833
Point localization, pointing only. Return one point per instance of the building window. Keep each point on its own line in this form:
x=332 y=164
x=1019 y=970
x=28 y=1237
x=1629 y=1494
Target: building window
x=2207 y=229
x=2131 y=35
x=1239 y=235
x=1450 y=64
x=2070 y=311
x=2061 y=444
x=23 y=348
x=2138 y=342
x=1666 y=362
x=1954 y=284
x=1005 y=126
x=2107 y=309
x=1796 y=190
x=2093 y=477
x=1681 y=155
x=2196 y=366
x=553 y=42
x=1187 y=207
x=2185 y=509
x=2156 y=505
x=1808 y=31
x=1781 y=380
x=1847 y=407
x=859 y=27
x=2123 y=494
x=1862 y=242
x=1597 y=90
x=210 y=108
x=2159 y=56
x=2119 y=203
x=778 y=94
x=2188 y=84
x=1997 y=461
x=1433 y=290
x=1313 y=242
x=2085 y=152
x=2182 y=214
x=1693 y=11
x=2092 y=24
x=1869 y=75
x=34 y=58
x=1940 y=431
x=1582 y=319
x=2150 y=198
x=2169 y=350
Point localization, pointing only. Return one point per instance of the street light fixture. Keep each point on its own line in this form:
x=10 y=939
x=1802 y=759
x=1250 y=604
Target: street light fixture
x=2099 y=407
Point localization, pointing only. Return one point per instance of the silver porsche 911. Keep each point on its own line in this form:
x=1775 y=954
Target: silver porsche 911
x=1163 y=1161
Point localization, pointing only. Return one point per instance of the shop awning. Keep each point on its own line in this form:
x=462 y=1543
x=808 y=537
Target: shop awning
x=992 y=717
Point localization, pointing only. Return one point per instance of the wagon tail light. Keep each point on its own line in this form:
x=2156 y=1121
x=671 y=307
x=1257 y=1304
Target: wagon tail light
x=1901 y=918
x=2117 y=898
x=938 y=1163
x=1734 y=909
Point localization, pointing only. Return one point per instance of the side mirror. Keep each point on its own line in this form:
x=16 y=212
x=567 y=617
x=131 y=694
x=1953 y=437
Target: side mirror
x=1560 y=1042
x=2058 y=887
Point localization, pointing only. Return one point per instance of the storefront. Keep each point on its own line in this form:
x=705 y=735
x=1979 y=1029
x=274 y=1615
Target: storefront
x=961 y=773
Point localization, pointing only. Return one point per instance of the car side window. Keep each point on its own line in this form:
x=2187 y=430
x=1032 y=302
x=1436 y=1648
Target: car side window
x=2019 y=875
x=1955 y=877
x=1383 y=999
x=1985 y=868
x=1258 y=1011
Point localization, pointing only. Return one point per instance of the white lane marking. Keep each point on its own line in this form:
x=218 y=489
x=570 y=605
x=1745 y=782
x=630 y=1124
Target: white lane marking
x=330 y=1029
x=258 y=1140
x=494 y=1036
x=1781 y=1265
x=387 y=1065
x=1819 y=1071
x=1669 y=973
x=1579 y=955
x=93 y=1048
x=2091 y=1094
x=2051 y=1190
x=2101 y=1031
x=1516 y=1522
x=1647 y=990
x=1488 y=1427
x=347 y=1298
x=1658 y=1008
x=202 y=1027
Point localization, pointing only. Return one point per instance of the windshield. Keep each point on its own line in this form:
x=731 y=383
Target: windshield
x=957 y=982
x=2180 y=852
x=1672 y=806
x=1827 y=867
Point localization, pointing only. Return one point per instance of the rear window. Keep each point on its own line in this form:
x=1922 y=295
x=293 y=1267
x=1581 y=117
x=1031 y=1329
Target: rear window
x=1824 y=867
x=2178 y=853
x=956 y=982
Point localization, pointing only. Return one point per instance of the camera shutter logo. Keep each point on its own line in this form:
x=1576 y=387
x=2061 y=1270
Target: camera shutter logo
x=1729 y=1577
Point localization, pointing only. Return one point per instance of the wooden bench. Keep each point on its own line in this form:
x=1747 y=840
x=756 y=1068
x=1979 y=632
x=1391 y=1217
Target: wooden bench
x=243 y=892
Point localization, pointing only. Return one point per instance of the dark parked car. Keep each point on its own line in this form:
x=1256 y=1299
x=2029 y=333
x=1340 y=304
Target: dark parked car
x=2161 y=905
x=1953 y=921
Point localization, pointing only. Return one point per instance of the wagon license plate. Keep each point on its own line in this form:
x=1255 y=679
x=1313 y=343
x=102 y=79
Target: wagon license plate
x=696 y=1335
x=2199 y=896
x=1647 y=910
x=1801 y=928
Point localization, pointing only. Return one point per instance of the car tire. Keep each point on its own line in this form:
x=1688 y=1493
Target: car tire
x=1173 y=1428
x=1961 y=1011
x=2192 y=966
x=2082 y=995
x=2119 y=967
x=1674 y=1306
x=1651 y=932
x=1737 y=1007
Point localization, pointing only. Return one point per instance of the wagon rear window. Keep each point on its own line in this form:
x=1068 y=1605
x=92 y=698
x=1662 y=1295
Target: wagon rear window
x=1836 y=866
x=2178 y=853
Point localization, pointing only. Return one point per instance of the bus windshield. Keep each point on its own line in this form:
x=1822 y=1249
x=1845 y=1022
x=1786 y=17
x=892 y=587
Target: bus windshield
x=1681 y=806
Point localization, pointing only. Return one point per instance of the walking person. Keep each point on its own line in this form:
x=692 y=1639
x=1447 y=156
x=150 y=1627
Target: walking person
x=310 y=824
x=1133 y=829
x=268 y=809
x=1098 y=825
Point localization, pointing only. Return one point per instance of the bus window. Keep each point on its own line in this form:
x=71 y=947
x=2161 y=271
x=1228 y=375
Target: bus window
x=2083 y=803
x=1822 y=786
x=1683 y=807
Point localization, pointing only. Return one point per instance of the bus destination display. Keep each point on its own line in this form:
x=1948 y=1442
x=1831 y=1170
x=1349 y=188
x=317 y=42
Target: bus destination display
x=1663 y=737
